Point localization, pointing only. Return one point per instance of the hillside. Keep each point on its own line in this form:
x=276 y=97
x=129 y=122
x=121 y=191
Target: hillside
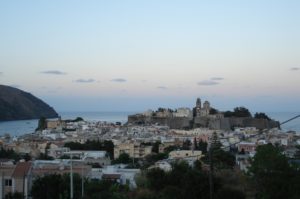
x=16 y=104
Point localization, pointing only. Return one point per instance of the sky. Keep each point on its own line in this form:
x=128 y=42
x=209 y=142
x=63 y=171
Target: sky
x=138 y=55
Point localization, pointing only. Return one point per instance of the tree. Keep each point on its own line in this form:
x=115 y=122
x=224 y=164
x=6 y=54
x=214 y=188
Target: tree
x=229 y=193
x=152 y=158
x=238 y=112
x=156 y=179
x=261 y=116
x=202 y=146
x=155 y=147
x=45 y=156
x=241 y=112
x=58 y=186
x=123 y=159
x=273 y=175
x=15 y=195
x=78 y=119
x=186 y=145
x=297 y=154
x=55 y=186
x=213 y=111
x=221 y=159
x=215 y=142
x=9 y=154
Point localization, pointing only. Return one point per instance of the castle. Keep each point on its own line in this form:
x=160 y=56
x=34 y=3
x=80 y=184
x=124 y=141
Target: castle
x=201 y=111
x=202 y=116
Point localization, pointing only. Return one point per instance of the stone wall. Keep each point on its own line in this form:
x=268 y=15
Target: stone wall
x=205 y=122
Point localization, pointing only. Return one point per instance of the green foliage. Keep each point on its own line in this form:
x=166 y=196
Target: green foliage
x=215 y=142
x=168 y=149
x=77 y=119
x=198 y=164
x=155 y=147
x=229 y=193
x=180 y=183
x=152 y=158
x=97 y=145
x=238 y=112
x=261 y=116
x=58 y=186
x=15 y=195
x=156 y=179
x=202 y=146
x=122 y=159
x=105 y=189
x=44 y=156
x=160 y=109
x=186 y=145
x=223 y=159
x=11 y=154
x=213 y=111
x=273 y=175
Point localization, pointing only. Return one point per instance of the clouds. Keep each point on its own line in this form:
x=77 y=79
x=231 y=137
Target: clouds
x=211 y=82
x=85 y=80
x=295 y=69
x=118 y=80
x=217 y=78
x=207 y=83
x=162 y=87
x=53 y=72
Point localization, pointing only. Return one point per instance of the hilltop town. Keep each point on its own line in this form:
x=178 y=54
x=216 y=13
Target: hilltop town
x=203 y=116
x=121 y=152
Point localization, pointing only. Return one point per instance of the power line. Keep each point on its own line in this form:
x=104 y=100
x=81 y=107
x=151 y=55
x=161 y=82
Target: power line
x=289 y=120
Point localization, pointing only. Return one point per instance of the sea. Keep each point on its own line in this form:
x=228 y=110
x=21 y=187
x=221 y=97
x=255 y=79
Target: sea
x=21 y=127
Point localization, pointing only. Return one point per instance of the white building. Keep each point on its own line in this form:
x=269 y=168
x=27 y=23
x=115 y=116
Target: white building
x=114 y=173
x=183 y=112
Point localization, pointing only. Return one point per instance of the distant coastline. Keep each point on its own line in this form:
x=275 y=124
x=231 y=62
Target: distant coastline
x=20 y=127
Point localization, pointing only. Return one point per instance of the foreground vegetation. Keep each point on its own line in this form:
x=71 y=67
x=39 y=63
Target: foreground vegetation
x=271 y=176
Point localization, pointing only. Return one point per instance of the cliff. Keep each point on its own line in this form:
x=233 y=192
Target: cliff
x=16 y=104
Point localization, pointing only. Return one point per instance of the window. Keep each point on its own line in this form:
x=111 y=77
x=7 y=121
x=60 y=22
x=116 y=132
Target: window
x=8 y=182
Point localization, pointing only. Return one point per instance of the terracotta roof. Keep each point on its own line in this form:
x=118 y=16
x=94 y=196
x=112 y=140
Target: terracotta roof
x=22 y=168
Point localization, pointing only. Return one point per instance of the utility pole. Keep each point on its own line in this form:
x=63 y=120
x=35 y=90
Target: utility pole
x=82 y=180
x=2 y=184
x=211 y=167
x=71 y=177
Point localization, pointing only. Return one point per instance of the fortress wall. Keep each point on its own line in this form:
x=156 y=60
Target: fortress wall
x=206 y=122
x=180 y=123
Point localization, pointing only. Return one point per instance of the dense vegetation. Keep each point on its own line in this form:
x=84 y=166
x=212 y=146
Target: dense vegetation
x=152 y=184
x=238 y=112
x=273 y=175
x=244 y=112
x=261 y=116
x=58 y=186
x=11 y=154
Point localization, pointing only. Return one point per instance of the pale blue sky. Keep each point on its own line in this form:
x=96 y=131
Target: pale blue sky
x=135 y=55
